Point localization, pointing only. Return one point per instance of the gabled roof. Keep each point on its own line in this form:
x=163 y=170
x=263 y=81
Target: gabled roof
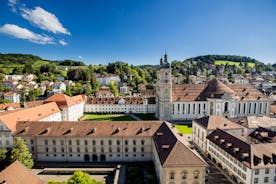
x=85 y=128
x=14 y=105
x=172 y=152
x=232 y=145
x=17 y=173
x=215 y=89
x=213 y=122
x=63 y=100
x=37 y=113
x=255 y=121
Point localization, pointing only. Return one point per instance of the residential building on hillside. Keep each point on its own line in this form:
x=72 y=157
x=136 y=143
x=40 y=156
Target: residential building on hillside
x=14 y=77
x=8 y=120
x=239 y=79
x=9 y=106
x=104 y=92
x=57 y=88
x=175 y=161
x=12 y=97
x=120 y=105
x=106 y=79
x=9 y=83
x=17 y=173
x=72 y=108
x=189 y=101
x=124 y=89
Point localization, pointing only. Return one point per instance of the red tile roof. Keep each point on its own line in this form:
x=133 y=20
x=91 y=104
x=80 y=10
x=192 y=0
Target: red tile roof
x=215 y=89
x=63 y=100
x=17 y=173
x=10 y=118
x=6 y=105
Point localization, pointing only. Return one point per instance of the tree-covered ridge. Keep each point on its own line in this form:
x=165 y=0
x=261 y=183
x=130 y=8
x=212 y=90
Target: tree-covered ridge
x=18 y=58
x=29 y=58
x=210 y=59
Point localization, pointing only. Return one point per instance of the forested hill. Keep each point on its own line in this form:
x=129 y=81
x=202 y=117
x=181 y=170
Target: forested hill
x=29 y=58
x=210 y=59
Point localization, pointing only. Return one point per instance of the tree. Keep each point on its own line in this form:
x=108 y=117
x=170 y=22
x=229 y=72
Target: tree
x=34 y=93
x=114 y=88
x=21 y=153
x=88 y=89
x=28 y=68
x=83 y=178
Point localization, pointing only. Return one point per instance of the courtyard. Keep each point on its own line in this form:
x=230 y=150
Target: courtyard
x=106 y=117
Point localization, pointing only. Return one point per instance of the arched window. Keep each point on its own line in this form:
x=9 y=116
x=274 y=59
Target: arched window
x=184 y=175
x=212 y=108
x=78 y=142
x=172 y=175
x=196 y=174
x=226 y=107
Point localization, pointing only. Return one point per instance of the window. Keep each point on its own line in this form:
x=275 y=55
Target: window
x=134 y=149
x=196 y=174
x=134 y=142
x=70 y=150
x=118 y=149
x=46 y=142
x=184 y=175
x=126 y=142
x=142 y=142
x=94 y=142
x=62 y=142
x=110 y=142
x=54 y=142
x=142 y=149
x=267 y=171
x=32 y=141
x=70 y=142
x=78 y=142
x=118 y=142
x=257 y=172
x=85 y=142
x=265 y=179
x=274 y=178
x=102 y=142
x=62 y=150
x=54 y=149
x=172 y=175
x=46 y=149
x=126 y=149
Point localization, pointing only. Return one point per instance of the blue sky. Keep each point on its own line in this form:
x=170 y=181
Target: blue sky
x=138 y=31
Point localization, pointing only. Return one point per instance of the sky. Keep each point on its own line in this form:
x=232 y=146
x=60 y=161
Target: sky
x=138 y=31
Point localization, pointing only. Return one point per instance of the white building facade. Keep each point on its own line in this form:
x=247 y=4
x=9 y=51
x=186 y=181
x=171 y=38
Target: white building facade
x=190 y=101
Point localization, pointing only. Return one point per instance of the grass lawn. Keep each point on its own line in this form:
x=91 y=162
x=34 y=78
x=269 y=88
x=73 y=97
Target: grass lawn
x=150 y=116
x=106 y=117
x=220 y=62
x=184 y=129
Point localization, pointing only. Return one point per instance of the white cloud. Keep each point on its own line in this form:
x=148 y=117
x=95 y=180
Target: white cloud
x=62 y=42
x=25 y=34
x=80 y=57
x=44 y=20
x=12 y=5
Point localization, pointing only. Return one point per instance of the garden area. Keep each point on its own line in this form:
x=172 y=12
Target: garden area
x=140 y=174
x=106 y=117
x=184 y=129
x=150 y=116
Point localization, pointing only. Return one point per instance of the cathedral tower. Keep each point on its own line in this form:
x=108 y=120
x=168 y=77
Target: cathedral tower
x=164 y=90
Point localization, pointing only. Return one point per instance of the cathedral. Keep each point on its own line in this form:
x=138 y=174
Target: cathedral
x=178 y=102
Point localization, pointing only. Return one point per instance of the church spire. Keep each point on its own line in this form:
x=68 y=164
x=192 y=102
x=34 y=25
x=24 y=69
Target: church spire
x=165 y=58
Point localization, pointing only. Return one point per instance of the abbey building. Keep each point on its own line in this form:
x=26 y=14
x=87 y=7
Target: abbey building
x=190 y=101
